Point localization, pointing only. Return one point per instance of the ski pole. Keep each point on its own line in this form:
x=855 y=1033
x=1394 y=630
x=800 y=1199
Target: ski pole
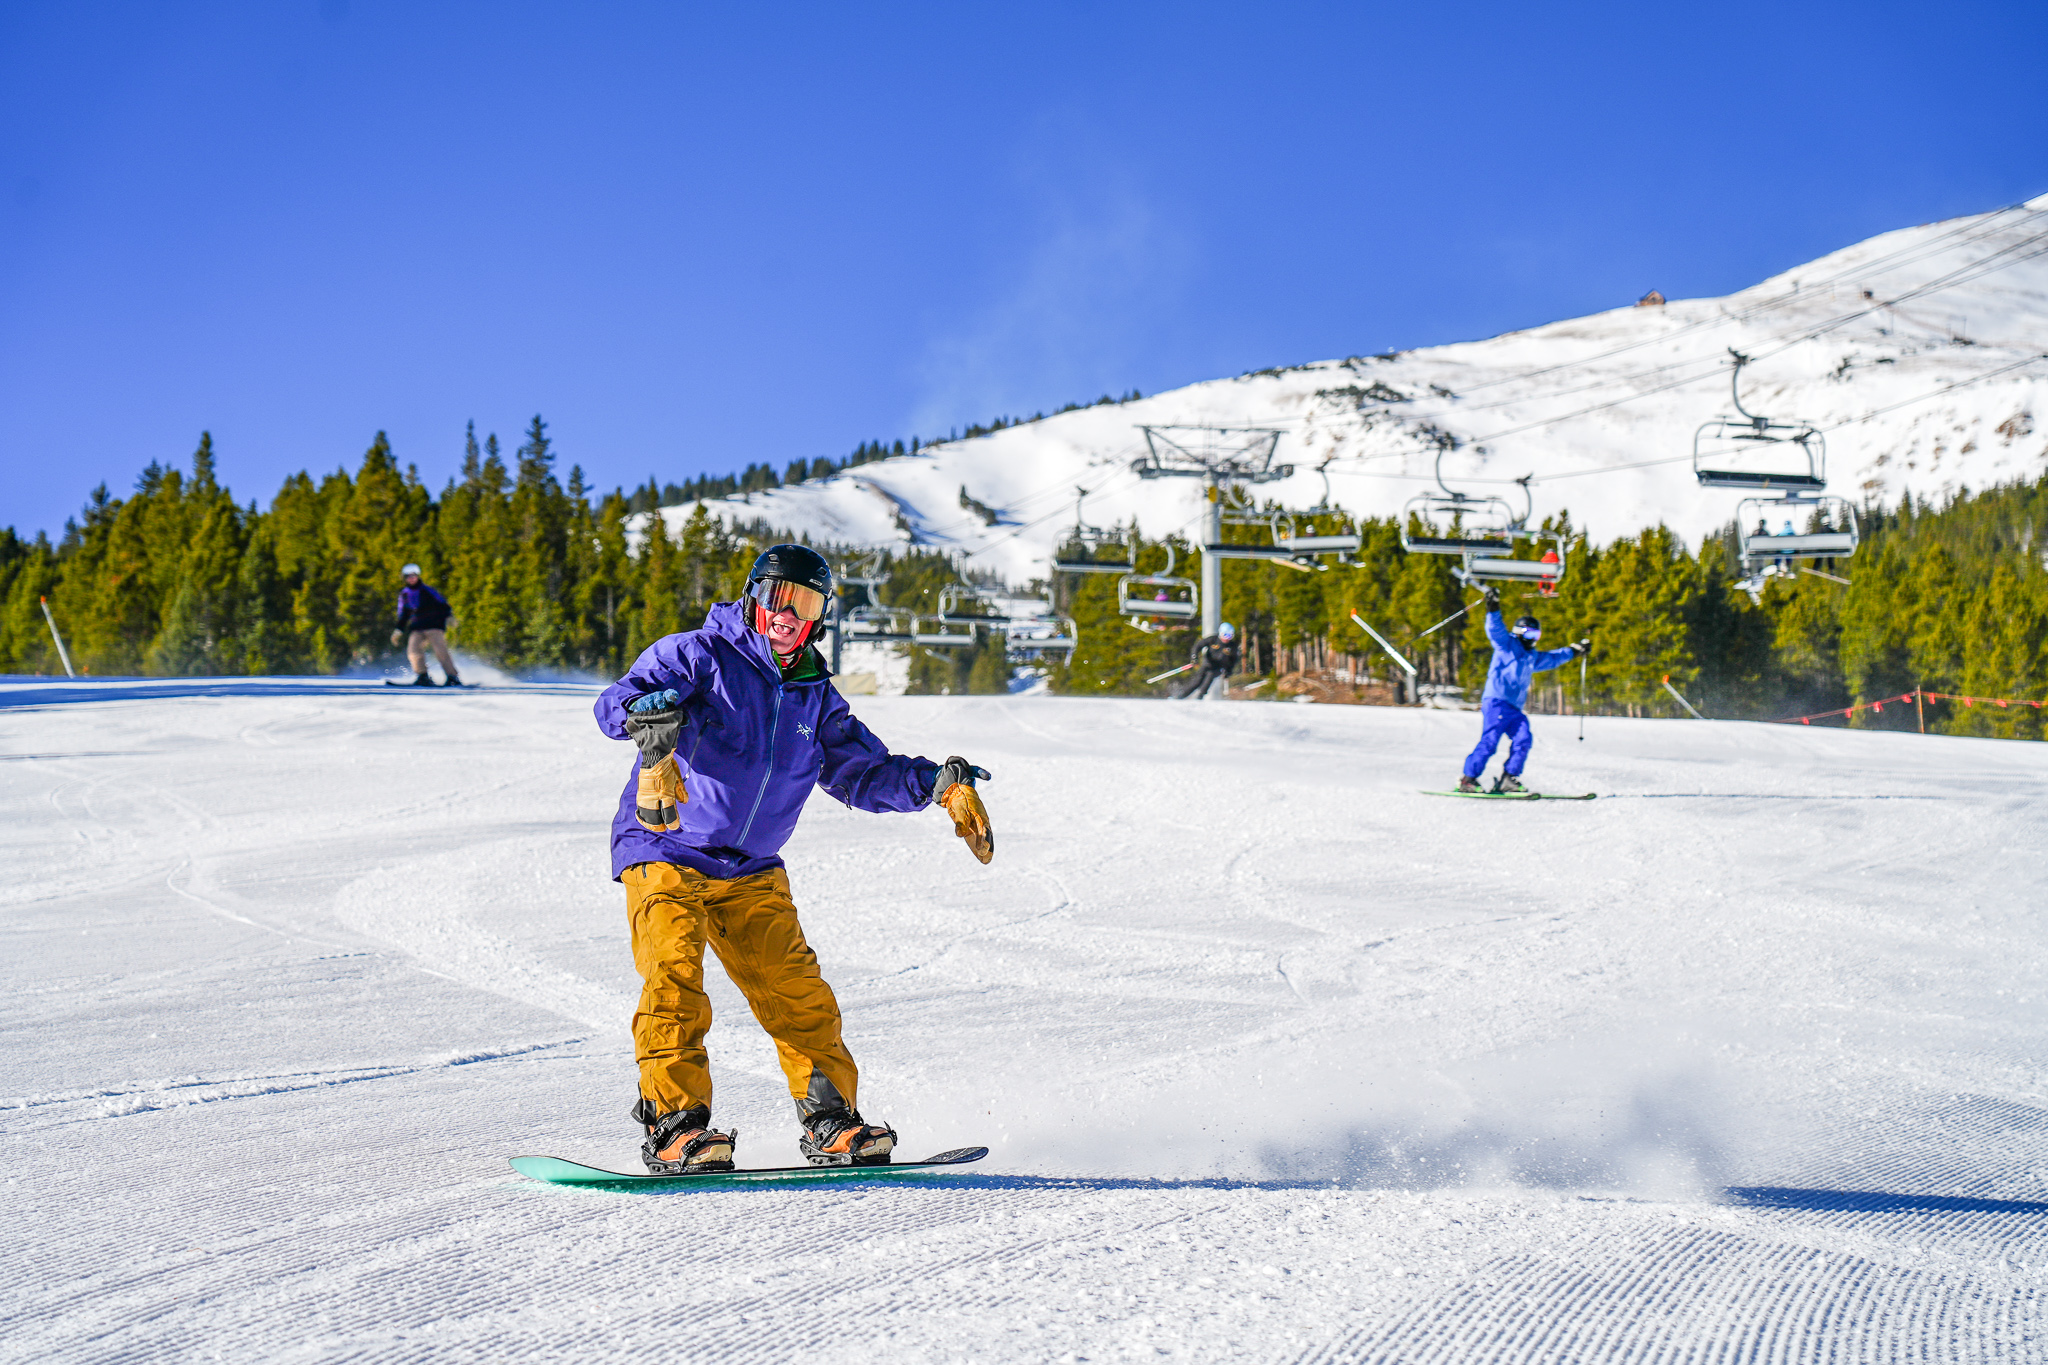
x=1448 y=619
x=1582 y=699
x=1171 y=672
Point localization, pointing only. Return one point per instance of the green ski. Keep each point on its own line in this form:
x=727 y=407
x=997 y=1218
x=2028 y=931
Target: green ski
x=1513 y=796
x=555 y=1171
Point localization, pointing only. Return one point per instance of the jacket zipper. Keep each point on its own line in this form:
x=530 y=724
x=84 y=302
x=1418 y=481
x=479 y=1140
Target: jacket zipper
x=774 y=728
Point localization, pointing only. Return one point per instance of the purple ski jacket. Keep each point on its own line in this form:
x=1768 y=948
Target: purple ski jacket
x=751 y=749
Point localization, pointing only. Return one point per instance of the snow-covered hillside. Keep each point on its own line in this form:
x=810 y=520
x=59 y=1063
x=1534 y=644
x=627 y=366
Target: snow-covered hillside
x=1281 y=1060
x=1601 y=409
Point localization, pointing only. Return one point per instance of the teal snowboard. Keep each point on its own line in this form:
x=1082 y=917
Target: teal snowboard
x=556 y=1171
x=1513 y=796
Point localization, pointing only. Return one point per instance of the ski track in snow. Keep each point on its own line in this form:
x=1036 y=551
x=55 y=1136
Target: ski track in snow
x=1280 y=1059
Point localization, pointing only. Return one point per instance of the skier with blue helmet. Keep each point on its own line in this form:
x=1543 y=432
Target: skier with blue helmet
x=1515 y=661
x=1214 y=657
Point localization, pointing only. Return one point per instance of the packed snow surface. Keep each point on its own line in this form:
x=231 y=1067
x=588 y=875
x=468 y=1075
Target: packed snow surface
x=1918 y=355
x=1280 y=1058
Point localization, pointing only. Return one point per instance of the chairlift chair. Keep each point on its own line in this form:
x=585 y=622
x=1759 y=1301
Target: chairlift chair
x=954 y=594
x=940 y=638
x=1545 y=571
x=1476 y=527
x=1022 y=636
x=875 y=625
x=1755 y=452
x=1086 y=543
x=1181 y=603
x=1240 y=514
x=870 y=620
x=1290 y=542
x=1303 y=549
x=1763 y=547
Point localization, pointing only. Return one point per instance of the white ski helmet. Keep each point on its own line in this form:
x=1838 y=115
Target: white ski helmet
x=409 y=571
x=1226 y=631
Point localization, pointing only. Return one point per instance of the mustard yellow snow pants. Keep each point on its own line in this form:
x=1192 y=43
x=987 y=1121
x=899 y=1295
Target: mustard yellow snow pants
x=751 y=924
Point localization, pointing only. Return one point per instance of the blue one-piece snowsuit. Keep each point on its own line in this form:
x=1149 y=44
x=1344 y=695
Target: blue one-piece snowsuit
x=1515 y=661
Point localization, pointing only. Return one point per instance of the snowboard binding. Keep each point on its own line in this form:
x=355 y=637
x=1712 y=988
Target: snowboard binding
x=683 y=1143
x=839 y=1137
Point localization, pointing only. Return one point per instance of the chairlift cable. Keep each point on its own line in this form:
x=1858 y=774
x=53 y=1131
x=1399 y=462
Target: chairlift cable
x=1962 y=274
x=1967 y=273
x=1810 y=335
x=1776 y=301
x=1684 y=459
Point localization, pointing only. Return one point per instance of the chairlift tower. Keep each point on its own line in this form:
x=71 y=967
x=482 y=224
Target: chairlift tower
x=1218 y=456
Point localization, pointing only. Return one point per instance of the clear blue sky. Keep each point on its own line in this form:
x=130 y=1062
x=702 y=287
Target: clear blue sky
x=696 y=236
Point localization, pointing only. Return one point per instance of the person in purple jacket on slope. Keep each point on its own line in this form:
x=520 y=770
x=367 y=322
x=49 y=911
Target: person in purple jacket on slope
x=735 y=722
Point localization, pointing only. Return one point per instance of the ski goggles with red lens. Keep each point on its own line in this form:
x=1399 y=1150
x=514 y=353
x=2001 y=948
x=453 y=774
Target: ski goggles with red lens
x=773 y=595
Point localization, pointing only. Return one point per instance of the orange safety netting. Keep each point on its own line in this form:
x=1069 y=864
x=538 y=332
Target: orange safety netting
x=1877 y=707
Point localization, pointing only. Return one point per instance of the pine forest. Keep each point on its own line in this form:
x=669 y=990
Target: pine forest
x=549 y=579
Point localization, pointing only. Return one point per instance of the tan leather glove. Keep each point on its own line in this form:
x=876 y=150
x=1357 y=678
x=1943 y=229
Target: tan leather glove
x=397 y=637
x=660 y=793
x=970 y=819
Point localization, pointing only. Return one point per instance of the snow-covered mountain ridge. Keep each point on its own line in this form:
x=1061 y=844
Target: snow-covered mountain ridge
x=1917 y=352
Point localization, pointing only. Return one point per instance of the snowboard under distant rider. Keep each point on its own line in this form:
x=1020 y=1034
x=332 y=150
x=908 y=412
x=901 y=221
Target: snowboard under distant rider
x=1214 y=656
x=423 y=620
x=735 y=722
x=1515 y=660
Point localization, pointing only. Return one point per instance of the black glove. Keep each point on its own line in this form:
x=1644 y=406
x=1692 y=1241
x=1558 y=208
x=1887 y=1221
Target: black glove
x=1492 y=599
x=656 y=727
x=1582 y=646
x=955 y=769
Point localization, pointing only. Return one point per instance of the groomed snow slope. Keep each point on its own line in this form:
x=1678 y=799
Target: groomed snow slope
x=1961 y=302
x=1281 y=1059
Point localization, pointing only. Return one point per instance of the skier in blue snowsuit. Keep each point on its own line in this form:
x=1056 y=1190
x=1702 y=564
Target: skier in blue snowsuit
x=1515 y=660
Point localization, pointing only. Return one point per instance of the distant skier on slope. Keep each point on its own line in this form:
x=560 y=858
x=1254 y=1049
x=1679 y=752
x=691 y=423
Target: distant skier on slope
x=1515 y=660
x=423 y=620
x=735 y=722
x=1214 y=656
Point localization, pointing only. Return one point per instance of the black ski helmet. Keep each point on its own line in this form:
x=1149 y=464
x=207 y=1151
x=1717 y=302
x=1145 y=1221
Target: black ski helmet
x=1525 y=625
x=788 y=564
x=793 y=564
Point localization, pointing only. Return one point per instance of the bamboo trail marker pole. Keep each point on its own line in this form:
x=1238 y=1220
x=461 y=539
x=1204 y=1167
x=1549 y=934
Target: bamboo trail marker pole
x=1920 y=708
x=1395 y=654
x=1681 y=700
x=62 y=653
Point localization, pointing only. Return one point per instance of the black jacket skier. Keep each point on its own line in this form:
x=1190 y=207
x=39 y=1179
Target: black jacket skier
x=1215 y=656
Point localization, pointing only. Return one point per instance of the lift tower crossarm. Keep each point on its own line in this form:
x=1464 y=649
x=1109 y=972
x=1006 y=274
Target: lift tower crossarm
x=1217 y=456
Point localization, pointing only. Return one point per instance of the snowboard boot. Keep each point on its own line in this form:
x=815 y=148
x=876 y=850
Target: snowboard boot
x=451 y=681
x=683 y=1143
x=1508 y=784
x=1469 y=785
x=422 y=680
x=838 y=1137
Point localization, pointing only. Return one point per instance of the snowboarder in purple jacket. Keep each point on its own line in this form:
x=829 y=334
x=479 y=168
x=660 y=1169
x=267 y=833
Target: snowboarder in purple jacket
x=735 y=723
x=1515 y=661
